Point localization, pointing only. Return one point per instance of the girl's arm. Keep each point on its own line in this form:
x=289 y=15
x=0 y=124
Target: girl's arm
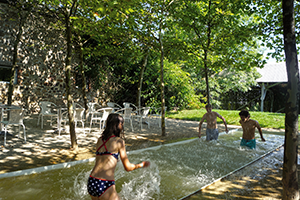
x=128 y=166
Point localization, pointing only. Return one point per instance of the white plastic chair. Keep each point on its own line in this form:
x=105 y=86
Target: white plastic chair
x=77 y=105
x=47 y=110
x=156 y=114
x=15 y=117
x=126 y=114
x=134 y=107
x=101 y=116
x=78 y=116
x=144 y=115
x=91 y=108
x=127 y=105
x=114 y=106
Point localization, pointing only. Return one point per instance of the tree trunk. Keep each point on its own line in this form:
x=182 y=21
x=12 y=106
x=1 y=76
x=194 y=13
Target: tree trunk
x=14 y=67
x=74 y=144
x=162 y=86
x=141 y=79
x=206 y=79
x=84 y=86
x=22 y=20
x=290 y=175
x=206 y=50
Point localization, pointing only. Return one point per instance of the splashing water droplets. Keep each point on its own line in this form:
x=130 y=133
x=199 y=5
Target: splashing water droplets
x=143 y=185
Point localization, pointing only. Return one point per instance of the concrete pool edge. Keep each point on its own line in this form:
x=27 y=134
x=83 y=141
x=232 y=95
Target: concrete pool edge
x=175 y=143
x=72 y=163
x=230 y=173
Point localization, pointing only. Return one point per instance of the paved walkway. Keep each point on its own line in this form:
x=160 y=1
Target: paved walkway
x=46 y=147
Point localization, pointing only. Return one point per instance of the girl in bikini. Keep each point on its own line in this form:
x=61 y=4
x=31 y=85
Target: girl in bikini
x=101 y=183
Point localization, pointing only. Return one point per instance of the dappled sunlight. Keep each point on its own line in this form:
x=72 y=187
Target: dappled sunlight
x=46 y=147
x=259 y=180
x=43 y=147
x=157 y=140
x=245 y=188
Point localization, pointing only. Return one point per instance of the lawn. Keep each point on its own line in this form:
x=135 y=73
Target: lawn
x=265 y=119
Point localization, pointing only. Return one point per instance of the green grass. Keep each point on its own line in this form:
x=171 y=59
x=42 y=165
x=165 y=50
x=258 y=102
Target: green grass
x=265 y=119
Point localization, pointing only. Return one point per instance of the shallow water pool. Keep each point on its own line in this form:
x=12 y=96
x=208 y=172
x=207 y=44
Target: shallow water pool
x=176 y=170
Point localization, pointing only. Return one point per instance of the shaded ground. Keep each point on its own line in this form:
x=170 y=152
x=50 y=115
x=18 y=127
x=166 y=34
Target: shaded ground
x=261 y=180
x=45 y=147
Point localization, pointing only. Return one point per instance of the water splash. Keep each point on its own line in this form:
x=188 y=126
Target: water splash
x=79 y=189
x=144 y=185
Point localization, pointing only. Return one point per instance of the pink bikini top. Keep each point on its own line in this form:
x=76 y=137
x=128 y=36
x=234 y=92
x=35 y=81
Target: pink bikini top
x=116 y=155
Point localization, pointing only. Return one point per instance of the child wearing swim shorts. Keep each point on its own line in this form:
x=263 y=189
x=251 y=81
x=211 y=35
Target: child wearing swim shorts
x=249 y=126
x=212 y=132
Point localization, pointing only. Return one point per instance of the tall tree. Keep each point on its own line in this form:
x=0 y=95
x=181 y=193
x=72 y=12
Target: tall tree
x=143 y=67
x=140 y=24
x=65 y=11
x=68 y=11
x=24 y=10
x=217 y=35
x=162 y=83
x=70 y=15
x=279 y=22
x=157 y=12
x=81 y=69
x=112 y=39
x=290 y=174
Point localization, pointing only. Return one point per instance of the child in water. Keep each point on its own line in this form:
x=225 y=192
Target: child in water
x=212 y=132
x=101 y=183
x=249 y=126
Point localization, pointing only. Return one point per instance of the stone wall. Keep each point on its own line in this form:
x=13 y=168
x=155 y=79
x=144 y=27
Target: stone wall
x=41 y=56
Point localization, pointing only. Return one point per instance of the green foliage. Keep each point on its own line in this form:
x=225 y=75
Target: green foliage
x=269 y=16
x=116 y=33
x=217 y=36
x=228 y=81
x=114 y=76
x=178 y=89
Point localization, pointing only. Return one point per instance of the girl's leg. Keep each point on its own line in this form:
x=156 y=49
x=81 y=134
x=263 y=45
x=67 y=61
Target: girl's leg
x=110 y=194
